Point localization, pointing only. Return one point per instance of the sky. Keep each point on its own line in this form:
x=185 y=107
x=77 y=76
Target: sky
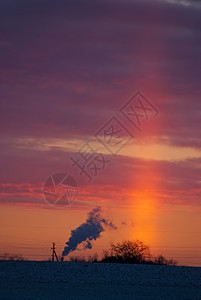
x=68 y=71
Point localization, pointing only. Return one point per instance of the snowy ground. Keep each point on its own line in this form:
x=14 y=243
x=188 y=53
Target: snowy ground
x=75 y=280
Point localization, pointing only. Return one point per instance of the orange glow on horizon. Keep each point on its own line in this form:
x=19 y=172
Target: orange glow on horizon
x=145 y=218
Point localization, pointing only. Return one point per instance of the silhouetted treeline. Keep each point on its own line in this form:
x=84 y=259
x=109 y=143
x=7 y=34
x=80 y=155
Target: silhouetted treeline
x=130 y=252
x=9 y=256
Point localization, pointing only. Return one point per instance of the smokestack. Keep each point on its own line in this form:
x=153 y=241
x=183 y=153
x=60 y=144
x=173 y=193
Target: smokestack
x=88 y=231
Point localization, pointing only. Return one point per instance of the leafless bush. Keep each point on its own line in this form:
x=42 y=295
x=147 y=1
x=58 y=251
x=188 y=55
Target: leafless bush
x=131 y=251
x=161 y=260
x=77 y=259
x=93 y=258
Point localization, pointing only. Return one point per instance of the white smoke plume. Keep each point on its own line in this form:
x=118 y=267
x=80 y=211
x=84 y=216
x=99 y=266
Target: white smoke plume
x=88 y=231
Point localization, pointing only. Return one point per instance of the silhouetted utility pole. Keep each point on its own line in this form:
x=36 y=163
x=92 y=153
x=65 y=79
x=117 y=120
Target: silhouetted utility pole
x=54 y=253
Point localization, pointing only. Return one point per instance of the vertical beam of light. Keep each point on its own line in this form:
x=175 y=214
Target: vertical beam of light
x=145 y=209
x=146 y=183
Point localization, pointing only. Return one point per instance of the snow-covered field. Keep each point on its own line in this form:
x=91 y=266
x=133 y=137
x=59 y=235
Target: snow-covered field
x=77 y=280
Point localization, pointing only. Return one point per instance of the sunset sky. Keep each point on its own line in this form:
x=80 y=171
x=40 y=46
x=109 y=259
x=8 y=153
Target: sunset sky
x=67 y=68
